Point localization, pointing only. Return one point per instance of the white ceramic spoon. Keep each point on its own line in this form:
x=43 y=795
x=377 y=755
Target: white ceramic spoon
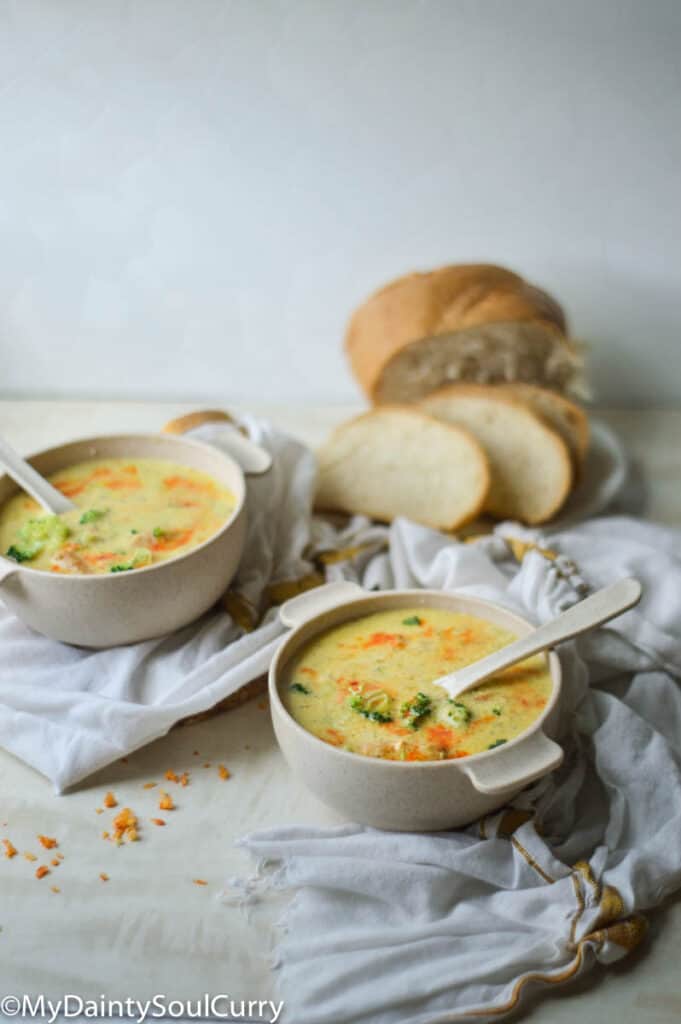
x=593 y=611
x=32 y=482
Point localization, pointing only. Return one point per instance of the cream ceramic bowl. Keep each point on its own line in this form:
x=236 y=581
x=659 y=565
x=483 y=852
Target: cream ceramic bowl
x=123 y=608
x=417 y=795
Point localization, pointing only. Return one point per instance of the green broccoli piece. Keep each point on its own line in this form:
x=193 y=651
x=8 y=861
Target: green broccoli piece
x=299 y=688
x=21 y=554
x=46 y=529
x=497 y=743
x=375 y=707
x=411 y=620
x=414 y=711
x=35 y=534
x=158 y=532
x=459 y=713
x=122 y=568
x=496 y=711
x=91 y=516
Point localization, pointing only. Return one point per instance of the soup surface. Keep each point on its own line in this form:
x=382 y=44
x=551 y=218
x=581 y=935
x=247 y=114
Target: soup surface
x=130 y=513
x=367 y=686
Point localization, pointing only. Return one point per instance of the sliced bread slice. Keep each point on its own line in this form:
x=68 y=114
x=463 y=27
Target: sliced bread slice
x=530 y=462
x=565 y=417
x=397 y=461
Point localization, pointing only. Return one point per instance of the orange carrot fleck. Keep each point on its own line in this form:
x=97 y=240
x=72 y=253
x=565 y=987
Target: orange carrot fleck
x=125 y=826
x=336 y=738
x=166 y=802
x=378 y=639
x=110 y=800
x=441 y=735
x=175 y=540
x=223 y=772
x=42 y=871
x=10 y=850
x=47 y=842
x=200 y=881
x=157 y=821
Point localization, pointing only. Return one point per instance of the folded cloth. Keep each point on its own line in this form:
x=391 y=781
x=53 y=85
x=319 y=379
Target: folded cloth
x=388 y=928
x=68 y=711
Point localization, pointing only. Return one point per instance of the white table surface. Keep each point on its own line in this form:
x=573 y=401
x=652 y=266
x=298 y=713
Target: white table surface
x=150 y=929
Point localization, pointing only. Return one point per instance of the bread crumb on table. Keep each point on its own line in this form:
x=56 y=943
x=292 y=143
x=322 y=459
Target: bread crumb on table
x=125 y=827
x=224 y=772
x=110 y=800
x=166 y=802
x=157 y=821
x=47 y=842
x=200 y=881
x=42 y=871
x=10 y=850
x=103 y=876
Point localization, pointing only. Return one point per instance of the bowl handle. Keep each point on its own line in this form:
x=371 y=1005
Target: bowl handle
x=253 y=458
x=300 y=609
x=516 y=767
x=7 y=569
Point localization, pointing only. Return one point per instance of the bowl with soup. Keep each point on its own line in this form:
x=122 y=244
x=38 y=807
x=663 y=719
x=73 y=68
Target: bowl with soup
x=361 y=722
x=154 y=539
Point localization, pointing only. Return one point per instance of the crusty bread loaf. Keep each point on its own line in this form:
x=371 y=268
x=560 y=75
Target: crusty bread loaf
x=398 y=461
x=530 y=462
x=565 y=417
x=472 y=322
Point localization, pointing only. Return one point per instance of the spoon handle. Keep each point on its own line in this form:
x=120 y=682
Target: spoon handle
x=32 y=482
x=605 y=604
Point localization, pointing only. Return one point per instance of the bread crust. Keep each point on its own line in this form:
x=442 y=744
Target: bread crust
x=566 y=410
x=560 y=448
x=441 y=302
x=476 y=449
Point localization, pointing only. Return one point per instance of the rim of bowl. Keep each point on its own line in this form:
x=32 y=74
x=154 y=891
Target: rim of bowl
x=169 y=439
x=275 y=672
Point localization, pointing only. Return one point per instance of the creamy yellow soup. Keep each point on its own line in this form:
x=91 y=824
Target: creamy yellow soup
x=130 y=513
x=367 y=686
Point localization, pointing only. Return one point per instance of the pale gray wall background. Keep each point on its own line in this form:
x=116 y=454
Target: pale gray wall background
x=195 y=193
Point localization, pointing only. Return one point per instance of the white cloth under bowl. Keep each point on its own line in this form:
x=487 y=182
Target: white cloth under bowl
x=389 y=928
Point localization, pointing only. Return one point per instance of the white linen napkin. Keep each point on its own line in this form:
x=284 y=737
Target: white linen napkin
x=392 y=928
x=68 y=711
